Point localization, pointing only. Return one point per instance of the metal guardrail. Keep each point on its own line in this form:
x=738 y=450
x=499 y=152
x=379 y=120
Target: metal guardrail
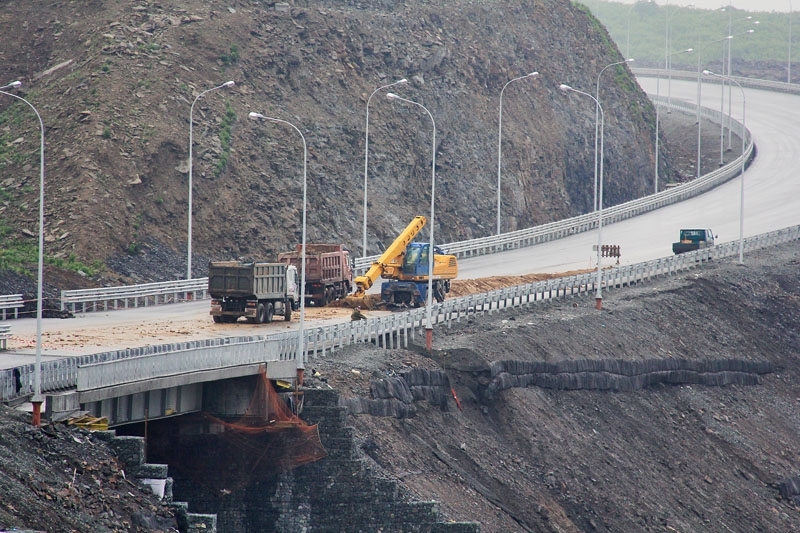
x=12 y=303
x=767 y=85
x=393 y=331
x=105 y=298
x=5 y=334
x=562 y=228
x=124 y=297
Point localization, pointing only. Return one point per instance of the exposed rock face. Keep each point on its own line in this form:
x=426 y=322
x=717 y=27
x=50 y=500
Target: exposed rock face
x=114 y=84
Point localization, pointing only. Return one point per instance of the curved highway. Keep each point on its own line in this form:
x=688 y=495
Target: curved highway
x=771 y=195
x=772 y=201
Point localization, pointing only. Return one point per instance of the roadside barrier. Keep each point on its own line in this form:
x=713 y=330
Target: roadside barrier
x=393 y=331
x=125 y=297
x=11 y=304
x=5 y=335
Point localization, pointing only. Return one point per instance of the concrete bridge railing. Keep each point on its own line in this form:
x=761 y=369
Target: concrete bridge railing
x=397 y=330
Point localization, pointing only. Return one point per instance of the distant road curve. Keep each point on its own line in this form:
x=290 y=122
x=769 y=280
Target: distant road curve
x=771 y=192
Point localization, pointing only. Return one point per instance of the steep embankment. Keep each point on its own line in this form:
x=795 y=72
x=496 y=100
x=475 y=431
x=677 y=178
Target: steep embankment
x=673 y=409
x=114 y=82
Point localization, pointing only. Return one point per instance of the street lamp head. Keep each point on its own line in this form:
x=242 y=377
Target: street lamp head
x=13 y=85
x=401 y=82
x=533 y=74
x=255 y=115
x=565 y=88
x=228 y=84
x=708 y=73
x=689 y=50
x=630 y=60
x=392 y=96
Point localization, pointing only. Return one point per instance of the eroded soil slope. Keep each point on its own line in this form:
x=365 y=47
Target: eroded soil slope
x=672 y=454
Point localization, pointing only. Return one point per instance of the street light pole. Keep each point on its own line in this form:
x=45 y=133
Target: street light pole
x=669 y=73
x=741 y=193
x=37 y=399
x=429 y=302
x=599 y=289
x=789 y=61
x=596 y=111
x=628 y=32
x=189 y=231
x=301 y=333
x=500 y=140
x=658 y=106
x=730 y=73
x=366 y=157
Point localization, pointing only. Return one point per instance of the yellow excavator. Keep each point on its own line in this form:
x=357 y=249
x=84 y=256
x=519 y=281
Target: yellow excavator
x=405 y=264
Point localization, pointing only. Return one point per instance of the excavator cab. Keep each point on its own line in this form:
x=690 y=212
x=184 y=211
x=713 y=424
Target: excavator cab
x=415 y=260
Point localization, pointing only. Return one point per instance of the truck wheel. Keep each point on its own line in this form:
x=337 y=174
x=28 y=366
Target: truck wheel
x=324 y=300
x=270 y=311
x=261 y=314
x=287 y=311
x=217 y=319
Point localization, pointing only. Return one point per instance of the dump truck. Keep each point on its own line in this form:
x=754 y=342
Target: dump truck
x=256 y=291
x=693 y=239
x=406 y=265
x=329 y=271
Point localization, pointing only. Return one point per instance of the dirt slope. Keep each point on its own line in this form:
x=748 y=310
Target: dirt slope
x=670 y=457
x=62 y=480
x=115 y=81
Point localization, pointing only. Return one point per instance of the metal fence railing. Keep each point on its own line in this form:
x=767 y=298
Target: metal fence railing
x=124 y=297
x=393 y=331
x=10 y=305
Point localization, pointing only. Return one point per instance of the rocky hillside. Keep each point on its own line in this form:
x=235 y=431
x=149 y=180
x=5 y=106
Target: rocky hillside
x=114 y=83
x=672 y=410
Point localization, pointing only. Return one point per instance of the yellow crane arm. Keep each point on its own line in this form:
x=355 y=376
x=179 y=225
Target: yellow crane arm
x=397 y=248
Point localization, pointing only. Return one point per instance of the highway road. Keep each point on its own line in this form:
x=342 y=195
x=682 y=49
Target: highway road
x=771 y=195
x=772 y=201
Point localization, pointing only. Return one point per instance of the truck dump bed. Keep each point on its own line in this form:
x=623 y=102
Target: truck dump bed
x=236 y=279
x=326 y=263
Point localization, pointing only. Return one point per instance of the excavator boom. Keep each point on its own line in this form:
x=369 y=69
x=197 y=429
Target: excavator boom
x=395 y=250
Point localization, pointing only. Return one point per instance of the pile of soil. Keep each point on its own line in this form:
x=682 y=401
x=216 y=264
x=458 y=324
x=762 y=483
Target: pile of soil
x=61 y=478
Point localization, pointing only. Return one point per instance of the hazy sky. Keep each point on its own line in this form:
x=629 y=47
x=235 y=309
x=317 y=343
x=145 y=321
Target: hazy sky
x=747 y=5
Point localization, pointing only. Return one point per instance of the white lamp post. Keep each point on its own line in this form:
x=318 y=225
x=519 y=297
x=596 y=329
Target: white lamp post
x=37 y=373
x=669 y=73
x=429 y=303
x=301 y=332
x=596 y=111
x=730 y=73
x=741 y=194
x=699 y=91
x=500 y=139
x=366 y=157
x=658 y=79
x=189 y=231
x=599 y=289
x=789 y=60
x=628 y=33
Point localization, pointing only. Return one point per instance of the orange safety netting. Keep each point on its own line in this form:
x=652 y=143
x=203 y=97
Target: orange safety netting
x=269 y=437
